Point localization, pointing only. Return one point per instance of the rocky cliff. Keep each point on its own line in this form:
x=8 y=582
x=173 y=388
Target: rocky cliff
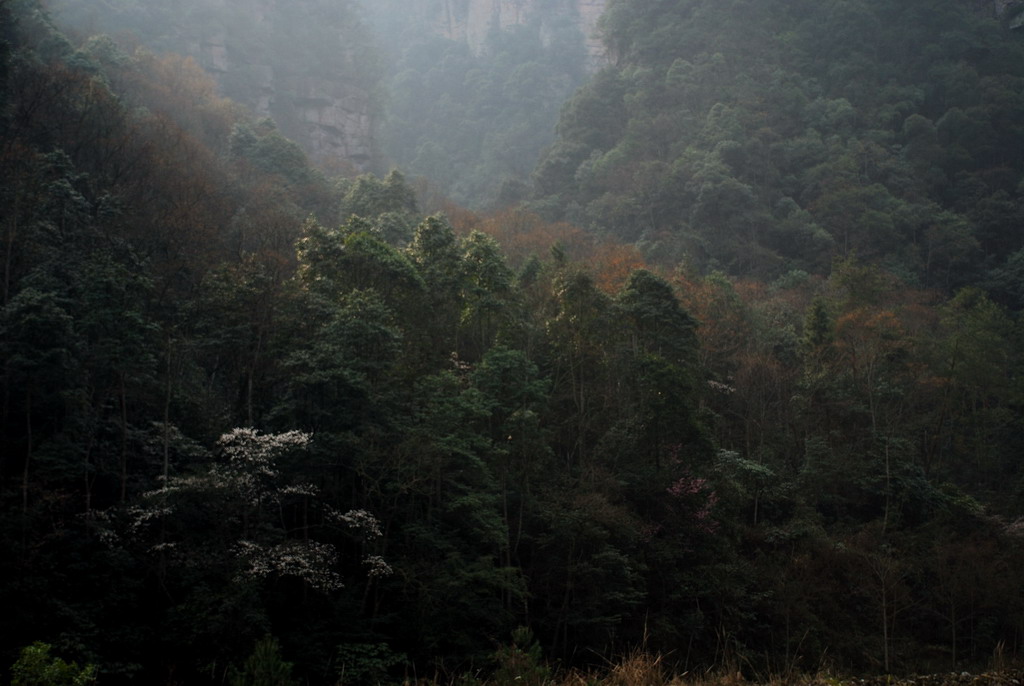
x=328 y=112
x=331 y=117
x=313 y=65
x=307 y=64
x=300 y=64
x=472 y=20
x=1010 y=11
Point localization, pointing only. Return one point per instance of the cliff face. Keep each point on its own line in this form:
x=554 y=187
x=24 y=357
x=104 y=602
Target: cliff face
x=589 y=11
x=330 y=117
x=472 y=20
x=1010 y=11
x=313 y=65
x=307 y=64
x=329 y=113
x=301 y=72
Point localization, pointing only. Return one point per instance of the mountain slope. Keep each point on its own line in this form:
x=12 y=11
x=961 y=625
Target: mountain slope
x=311 y=66
x=766 y=136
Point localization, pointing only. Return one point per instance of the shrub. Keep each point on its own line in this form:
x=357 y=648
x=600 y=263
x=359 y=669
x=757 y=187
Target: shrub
x=36 y=667
x=265 y=667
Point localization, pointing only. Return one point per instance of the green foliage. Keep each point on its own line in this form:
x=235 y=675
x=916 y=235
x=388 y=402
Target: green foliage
x=366 y=664
x=662 y=326
x=710 y=118
x=521 y=662
x=389 y=204
x=272 y=153
x=265 y=667
x=823 y=463
x=333 y=262
x=36 y=667
x=818 y=327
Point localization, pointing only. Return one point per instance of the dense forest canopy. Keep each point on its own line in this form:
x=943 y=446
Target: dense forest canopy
x=763 y=137
x=740 y=383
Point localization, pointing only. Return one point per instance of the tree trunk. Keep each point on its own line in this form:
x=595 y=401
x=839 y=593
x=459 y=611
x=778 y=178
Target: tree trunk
x=28 y=451
x=952 y=626
x=888 y=489
x=885 y=627
x=11 y=234
x=167 y=417
x=88 y=475
x=124 y=439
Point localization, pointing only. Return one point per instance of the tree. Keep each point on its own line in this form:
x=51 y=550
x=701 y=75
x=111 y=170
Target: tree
x=36 y=667
x=885 y=579
x=578 y=325
x=436 y=254
x=333 y=262
x=38 y=342
x=487 y=295
x=265 y=667
x=388 y=204
x=226 y=540
x=661 y=326
x=657 y=363
x=340 y=376
x=521 y=661
x=972 y=360
x=118 y=340
x=515 y=394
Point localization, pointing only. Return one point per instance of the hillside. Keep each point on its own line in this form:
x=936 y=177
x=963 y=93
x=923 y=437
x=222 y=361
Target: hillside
x=310 y=65
x=462 y=94
x=765 y=137
x=258 y=419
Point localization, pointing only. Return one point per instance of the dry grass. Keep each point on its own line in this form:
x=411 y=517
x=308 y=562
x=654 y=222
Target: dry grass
x=640 y=668
x=637 y=669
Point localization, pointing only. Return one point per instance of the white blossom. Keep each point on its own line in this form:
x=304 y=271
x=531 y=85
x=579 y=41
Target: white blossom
x=299 y=489
x=139 y=517
x=248 y=446
x=310 y=561
x=376 y=566
x=251 y=460
x=721 y=387
x=245 y=480
x=361 y=521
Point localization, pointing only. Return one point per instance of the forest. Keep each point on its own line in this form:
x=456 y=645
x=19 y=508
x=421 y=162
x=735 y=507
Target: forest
x=724 y=368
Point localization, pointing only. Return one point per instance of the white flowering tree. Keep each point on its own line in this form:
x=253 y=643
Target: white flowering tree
x=244 y=540
x=238 y=516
